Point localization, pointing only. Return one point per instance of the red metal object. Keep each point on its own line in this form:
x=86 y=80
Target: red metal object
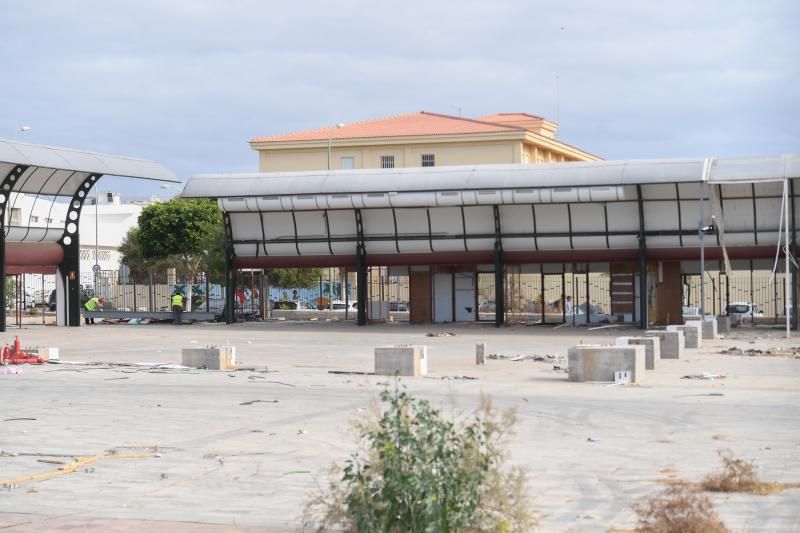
x=18 y=356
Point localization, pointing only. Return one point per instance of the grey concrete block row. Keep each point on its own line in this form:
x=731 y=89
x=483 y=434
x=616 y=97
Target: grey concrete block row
x=402 y=360
x=600 y=362
x=652 y=347
x=672 y=343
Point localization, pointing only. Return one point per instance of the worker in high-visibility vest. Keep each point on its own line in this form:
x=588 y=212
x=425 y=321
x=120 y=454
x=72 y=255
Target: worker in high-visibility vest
x=93 y=304
x=178 y=302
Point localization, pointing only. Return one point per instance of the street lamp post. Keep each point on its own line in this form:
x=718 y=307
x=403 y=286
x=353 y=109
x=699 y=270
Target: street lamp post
x=330 y=141
x=330 y=270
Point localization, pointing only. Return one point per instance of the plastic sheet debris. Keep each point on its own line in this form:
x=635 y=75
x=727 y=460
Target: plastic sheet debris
x=704 y=375
x=546 y=358
x=441 y=334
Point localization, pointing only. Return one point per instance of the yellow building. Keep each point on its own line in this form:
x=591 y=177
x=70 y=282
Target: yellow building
x=418 y=140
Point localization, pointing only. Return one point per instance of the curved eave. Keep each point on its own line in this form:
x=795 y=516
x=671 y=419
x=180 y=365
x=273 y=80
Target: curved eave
x=14 y=153
x=481 y=177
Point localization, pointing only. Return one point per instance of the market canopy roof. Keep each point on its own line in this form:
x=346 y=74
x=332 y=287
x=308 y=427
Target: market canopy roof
x=34 y=182
x=61 y=171
x=578 y=211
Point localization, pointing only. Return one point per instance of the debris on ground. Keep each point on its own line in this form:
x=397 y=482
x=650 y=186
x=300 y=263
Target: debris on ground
x=441 y=334
x=546 y=358
x=792 y=351
x=251 y=402
x=351 y=373
x=465 y=378
x=560 y=369
x=704 y=375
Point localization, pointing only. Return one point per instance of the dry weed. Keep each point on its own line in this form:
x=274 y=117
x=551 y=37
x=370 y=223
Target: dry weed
x=739 y=475
x=678 y=509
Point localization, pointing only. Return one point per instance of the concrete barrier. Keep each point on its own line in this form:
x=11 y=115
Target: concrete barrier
x=723 y=324
x=216 y=358
x=710 y=328
x=652 y=347
x=589 y=362
x=402 y=360
x=692 y=332
x=672 y=342
x=480 y=353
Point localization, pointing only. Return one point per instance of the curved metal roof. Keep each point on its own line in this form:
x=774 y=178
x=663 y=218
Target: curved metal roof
x=60 y=171
x=534 y=211
x=507 y=176
x=34 y=175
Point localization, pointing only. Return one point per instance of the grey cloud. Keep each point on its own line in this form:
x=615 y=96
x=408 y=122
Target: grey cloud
x=189 y=82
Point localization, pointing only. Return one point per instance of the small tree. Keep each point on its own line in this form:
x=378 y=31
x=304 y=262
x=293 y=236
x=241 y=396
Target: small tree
x=181 y=228
x=133 y=258
x=419 y=472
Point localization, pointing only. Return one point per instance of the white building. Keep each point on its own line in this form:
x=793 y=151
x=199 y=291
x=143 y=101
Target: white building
x=103 y=226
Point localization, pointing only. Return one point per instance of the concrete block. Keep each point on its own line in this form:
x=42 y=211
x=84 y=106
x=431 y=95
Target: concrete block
x=723 y=324
x=652 y=347
x=672 y=342
x=215 y=358
x=402 y=360
x=692 y=332
x=589 y=362
x=710 y=328
x=480 y=353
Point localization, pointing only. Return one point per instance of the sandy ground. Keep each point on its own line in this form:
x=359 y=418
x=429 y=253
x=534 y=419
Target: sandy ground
x=192 y=458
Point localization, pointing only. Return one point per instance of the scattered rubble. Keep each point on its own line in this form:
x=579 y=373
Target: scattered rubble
x=704 y=375
x=792 y=351
x=441 y=334
x=547 y=358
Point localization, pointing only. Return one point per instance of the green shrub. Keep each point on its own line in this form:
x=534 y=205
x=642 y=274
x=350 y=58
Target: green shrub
x=418 y=471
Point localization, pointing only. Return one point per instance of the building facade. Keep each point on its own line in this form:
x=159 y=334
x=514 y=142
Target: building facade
x=421 y=139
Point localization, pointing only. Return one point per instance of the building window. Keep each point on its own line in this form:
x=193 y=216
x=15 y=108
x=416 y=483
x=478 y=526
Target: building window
x=428 y=160
x=348 y=163
x=34 y=219
x=16 y=216
x=387 y=161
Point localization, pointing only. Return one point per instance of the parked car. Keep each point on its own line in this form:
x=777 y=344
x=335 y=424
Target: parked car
x=296 y=305
x=743 y=310
x=340 y=305
x=399 y=307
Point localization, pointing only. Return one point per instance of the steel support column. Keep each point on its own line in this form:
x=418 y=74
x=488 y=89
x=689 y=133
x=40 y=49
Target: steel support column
x=499 y=274
x=643 y=322
x=5 y=194
x=361 y=272
x=229 y=272
x=793 y=251
x=69 y=268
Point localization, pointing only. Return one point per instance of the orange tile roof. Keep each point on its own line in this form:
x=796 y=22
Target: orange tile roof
x=510 y=116
x=412 y=124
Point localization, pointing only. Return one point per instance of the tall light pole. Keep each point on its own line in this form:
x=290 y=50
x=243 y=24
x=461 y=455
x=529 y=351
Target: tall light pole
x=330 y=270
x=96 y=266
x=330 y=141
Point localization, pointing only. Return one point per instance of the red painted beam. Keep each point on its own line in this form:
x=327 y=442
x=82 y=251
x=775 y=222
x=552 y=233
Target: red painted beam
x=511 y=258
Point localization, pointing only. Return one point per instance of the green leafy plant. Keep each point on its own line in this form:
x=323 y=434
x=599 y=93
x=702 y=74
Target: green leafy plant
x=418 y=471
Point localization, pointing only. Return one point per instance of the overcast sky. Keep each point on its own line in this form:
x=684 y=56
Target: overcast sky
x=189 y=82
